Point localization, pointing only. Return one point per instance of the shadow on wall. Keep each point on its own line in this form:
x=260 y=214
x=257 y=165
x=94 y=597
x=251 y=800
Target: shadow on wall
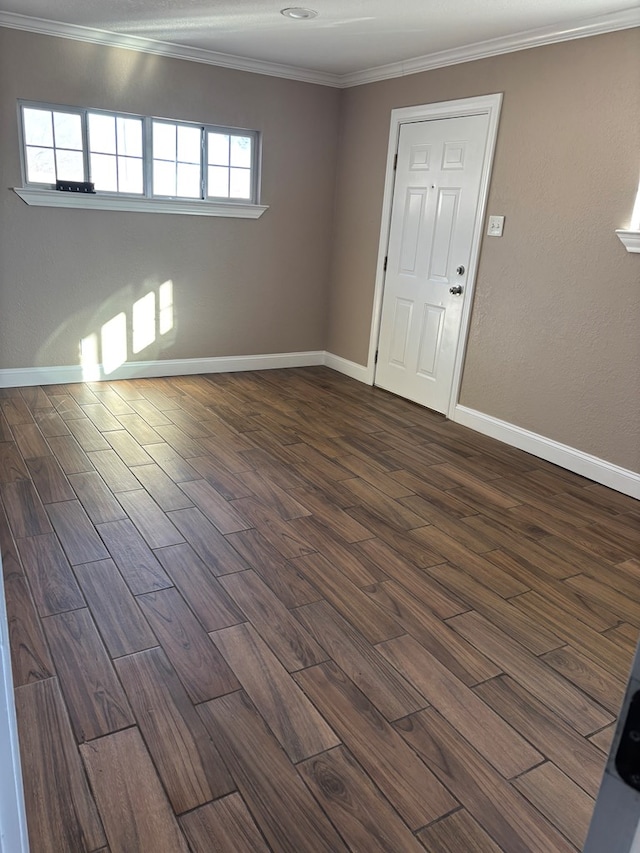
x=119 y=329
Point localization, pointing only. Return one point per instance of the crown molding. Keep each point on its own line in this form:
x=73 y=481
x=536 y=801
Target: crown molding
x=582 y=28
x=75 y=32
x=630 y=239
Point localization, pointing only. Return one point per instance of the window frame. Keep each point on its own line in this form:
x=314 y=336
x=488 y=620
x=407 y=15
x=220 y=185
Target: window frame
x=149 y=147
x=87 y=140
x=255 y=156
x=40 y=194
x=22 y=105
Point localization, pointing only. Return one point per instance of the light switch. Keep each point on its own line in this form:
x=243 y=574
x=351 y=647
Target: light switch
x=496 y=224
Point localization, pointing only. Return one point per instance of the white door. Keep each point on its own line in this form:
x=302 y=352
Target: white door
x=436 y=203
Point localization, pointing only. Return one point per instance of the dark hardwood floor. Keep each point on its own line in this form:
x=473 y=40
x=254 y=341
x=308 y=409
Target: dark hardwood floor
x=285 y=611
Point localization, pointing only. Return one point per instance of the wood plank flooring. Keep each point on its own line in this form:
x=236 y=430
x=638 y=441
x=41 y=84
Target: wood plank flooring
x=284 y=611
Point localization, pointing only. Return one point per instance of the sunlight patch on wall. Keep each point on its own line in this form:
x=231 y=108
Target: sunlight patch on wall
x=144 y=322
x=165 y=292
x=113 y=343
x=105 y=350
x=89 y=358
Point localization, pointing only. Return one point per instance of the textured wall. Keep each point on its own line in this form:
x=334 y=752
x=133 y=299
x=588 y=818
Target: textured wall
x=240 y=287
x=554 y=343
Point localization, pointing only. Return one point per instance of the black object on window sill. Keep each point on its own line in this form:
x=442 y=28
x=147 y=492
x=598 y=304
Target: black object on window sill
x=75 y=186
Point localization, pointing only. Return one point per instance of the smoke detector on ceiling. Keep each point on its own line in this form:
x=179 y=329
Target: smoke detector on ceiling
x=298 y=13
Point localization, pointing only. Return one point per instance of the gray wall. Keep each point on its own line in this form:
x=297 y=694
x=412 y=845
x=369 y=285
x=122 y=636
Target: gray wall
x=240 y=286
x=554 y=343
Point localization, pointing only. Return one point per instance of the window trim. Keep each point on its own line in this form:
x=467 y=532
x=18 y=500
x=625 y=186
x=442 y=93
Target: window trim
x=111 y=201
x=45 y=195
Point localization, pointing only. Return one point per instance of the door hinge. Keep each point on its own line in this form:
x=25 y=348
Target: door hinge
x=375 y=358
x=395 y=162
x=384 y=266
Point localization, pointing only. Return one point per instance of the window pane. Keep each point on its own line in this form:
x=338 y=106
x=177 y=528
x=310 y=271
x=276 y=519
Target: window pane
x=164 y=178
x=102 y=133
x=70 y=165
x=103 y=172
x=129 y=133
x=37 y=127
x=188 y=180
x=218 y=149
x=189 y=144
x=241 y=151
x=68 y=130
x=130 y=175
x=40 y=166
x=218 y=182
x=164 y=141
x=240 y=183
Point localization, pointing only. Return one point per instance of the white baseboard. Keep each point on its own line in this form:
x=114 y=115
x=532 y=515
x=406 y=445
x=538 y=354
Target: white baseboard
x=599 y=470
x=596 y=469
x=22 y=376
x=349 y=368
x=13 y=823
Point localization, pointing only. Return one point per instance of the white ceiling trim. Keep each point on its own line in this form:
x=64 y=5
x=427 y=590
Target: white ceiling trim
x=493 y=47
x=164 y=48
x=480 y=50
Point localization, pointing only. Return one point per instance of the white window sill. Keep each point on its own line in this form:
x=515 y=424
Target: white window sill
x=630 y=239
x=90 y=201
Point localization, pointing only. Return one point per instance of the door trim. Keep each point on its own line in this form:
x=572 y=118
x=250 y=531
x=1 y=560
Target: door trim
x=13 y=820
x=484 y=104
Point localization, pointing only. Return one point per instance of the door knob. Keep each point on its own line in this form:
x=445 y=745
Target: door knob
x=457 y=290
x=460 y=270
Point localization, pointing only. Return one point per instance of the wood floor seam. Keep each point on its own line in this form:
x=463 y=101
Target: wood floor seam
x=284 y=611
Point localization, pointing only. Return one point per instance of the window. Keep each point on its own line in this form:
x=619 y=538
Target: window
x=115 y=153
x=130 y=155
x=53 y=146
x=177 y=159
x=229 y=159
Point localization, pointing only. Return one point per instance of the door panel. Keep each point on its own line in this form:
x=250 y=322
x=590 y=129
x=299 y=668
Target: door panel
x=433 y=213
x=430 y=338
x=401 y=327
x=413 y=221
x=420 y=157
x=453 y=155
x=443 y=233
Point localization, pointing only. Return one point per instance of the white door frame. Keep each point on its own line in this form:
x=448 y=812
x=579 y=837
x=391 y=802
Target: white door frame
x=13 y=822
x=615 y=824
x=484 y=104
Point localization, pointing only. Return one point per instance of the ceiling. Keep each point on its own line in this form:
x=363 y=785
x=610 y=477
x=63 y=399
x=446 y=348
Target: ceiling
x=347 y=38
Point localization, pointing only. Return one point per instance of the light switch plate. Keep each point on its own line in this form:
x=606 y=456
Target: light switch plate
x=496 y=225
